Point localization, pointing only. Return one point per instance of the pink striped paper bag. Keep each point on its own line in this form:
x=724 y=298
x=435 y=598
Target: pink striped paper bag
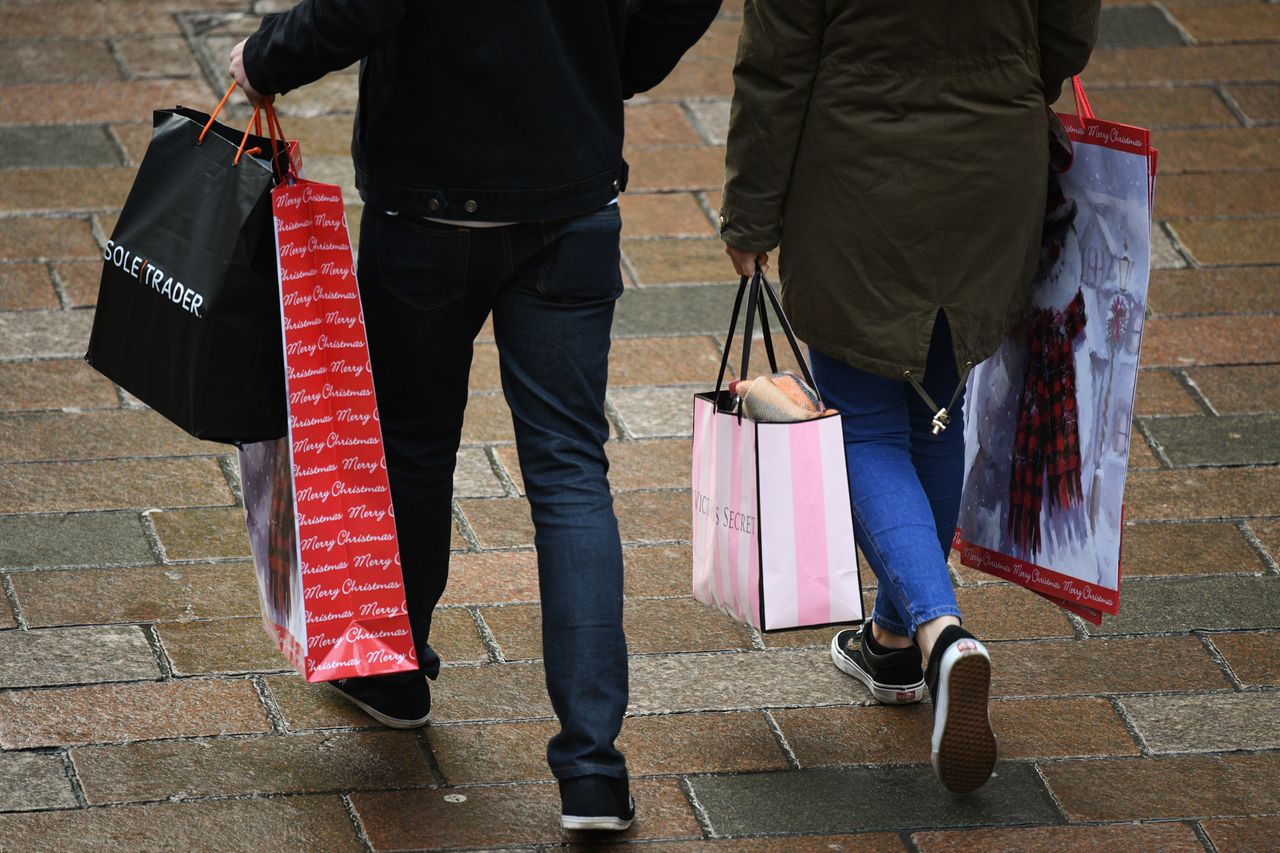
x=772 y=526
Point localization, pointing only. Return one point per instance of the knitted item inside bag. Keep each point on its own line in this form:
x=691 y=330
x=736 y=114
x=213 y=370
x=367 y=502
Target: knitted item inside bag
x=778 y=398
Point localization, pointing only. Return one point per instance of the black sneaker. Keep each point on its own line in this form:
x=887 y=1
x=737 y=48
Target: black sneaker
x=959 y=676
x=401 y=700
x=893 y=676
x=596 y=803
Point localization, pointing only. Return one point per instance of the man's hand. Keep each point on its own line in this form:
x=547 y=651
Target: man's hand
x=242 y=80
x=744 y=262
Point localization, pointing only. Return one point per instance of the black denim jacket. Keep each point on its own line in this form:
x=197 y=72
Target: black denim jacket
x=493 y=110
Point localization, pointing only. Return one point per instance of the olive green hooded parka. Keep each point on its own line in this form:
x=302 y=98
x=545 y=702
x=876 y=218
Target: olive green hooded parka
x=898 y=152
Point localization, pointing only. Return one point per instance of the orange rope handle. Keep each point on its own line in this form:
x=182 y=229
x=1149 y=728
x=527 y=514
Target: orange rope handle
x=273 y=128
x=1083 y=109
x=245 y=140
x=214 y=115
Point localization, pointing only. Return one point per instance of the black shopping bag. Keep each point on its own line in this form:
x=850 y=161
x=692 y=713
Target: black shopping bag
x=188 y=317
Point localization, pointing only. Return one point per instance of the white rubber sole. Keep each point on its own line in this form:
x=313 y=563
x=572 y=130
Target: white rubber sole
x=607 y=824
x=390 y=722
x=963 y=744
x=886 y=694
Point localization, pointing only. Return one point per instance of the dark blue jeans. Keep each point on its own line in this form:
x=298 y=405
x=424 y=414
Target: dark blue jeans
x=904 y=481
x=427 y=289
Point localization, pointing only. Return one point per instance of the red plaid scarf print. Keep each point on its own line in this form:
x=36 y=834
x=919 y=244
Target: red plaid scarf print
x=1047 y=442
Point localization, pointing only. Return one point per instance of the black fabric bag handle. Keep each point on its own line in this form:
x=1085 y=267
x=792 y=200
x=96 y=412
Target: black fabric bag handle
x=756 y=293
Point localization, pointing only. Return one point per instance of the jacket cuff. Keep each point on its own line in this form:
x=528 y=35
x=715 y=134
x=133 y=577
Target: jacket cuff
x=749 y=230
x=254 y=68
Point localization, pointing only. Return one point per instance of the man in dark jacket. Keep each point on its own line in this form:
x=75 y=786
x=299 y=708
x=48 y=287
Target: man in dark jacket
x=488 y=151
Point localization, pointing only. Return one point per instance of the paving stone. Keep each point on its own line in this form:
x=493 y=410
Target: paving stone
x=656 y=170
x=653 y=626
x=1240 y=389
x=700 y=743
x=489 y=752
x=1183 y=604
x=27 y=239
x=863 y=842
x=201 y=534
x=713 y=120
x=473 y=475
x=680 y=262
x=161 y=593
x=26 y=287
x=487 y=420
x=1259 y=102
x=651 y=125
x=129 y=712
x=220 y=646
x=456 y=638
x=1185 y=495
x=1232 y=241
x=651 y=517
x=47 y=436
x=30 y=781
x=97 y=101
x=657 y=412
x=1164 y=254
x=658 y=570
x=499 y=522
x=157 y=57
x=1254 y=658
x=697 y=78
x=879 y=734
x=492 y=578
x=819 y=801
x=1141 y=455
x=260 y=765
x=1156 y=109
x=1116 y=838
x=1136 y=26
x=57 y=190
x=663 y=215
x=1227 y=440
x=1224 y=150
x=1243 y=834
x=293 y=825
x=1186 y=549
x=701 y=309
x=85 y=19
x=1230 y=23
x=83 y=539
x=1101 y=666
x=661 y=464
x=7 y=619
x=509 y=815
x=1229 y=290
x=509 y=691
x=1160 y=392
x=75 y=656
x=316 y=706
x=1268 y=533
x=44 y=334
x=1217 y=194
x=740 y=681
x=720 y=40
x=134 y=138
x=1009 y=612
x=79 y=281
x=1146 y=788
x=1186 y=341
x=45 y=147
x=47 y=62
x=662 y=361
x=1212 y=722
x=71 y=486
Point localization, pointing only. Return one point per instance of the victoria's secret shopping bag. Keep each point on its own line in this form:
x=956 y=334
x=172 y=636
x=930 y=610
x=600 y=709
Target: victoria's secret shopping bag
x=772 y=525
x=187 y=317
x=317 y=502
x=1048 y=418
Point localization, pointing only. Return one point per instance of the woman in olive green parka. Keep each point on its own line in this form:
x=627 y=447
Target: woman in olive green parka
x=897 y=152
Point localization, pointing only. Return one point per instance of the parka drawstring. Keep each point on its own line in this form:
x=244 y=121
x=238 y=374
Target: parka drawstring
x=942 y=416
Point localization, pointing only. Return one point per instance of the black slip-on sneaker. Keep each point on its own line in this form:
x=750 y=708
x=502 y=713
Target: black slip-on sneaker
x=596 y=803
x=894 y=677
x=401 y=700
x=959 y=676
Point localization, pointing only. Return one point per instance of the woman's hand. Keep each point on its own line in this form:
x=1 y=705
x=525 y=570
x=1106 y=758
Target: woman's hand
x=236 y=71
x=744 y=262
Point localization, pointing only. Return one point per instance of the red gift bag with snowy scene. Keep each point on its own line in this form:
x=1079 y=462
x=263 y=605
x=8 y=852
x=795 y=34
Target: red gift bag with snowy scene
x=1048 y=416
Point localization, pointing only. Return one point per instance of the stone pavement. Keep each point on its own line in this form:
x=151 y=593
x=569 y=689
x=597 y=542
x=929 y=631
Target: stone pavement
x=142 y=708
